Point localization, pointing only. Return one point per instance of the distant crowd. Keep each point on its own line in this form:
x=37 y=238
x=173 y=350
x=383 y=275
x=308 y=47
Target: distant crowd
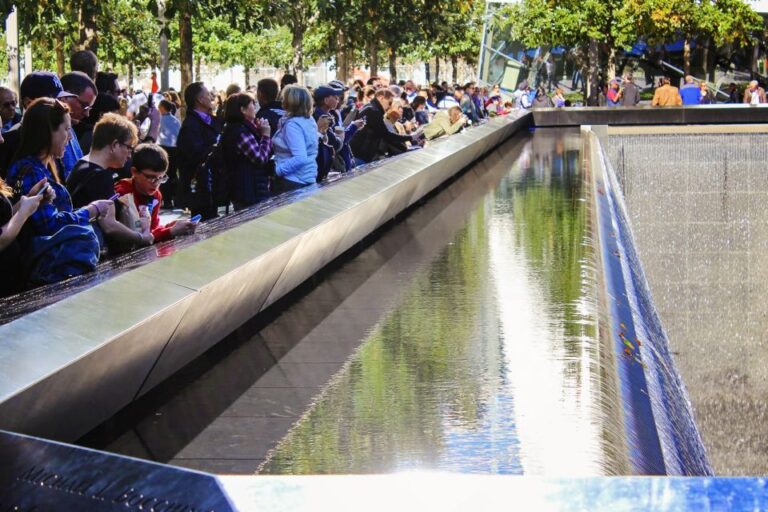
x=85 y=168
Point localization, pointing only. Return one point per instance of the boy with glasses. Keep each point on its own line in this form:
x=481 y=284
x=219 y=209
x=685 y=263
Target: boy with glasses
x=149 y=168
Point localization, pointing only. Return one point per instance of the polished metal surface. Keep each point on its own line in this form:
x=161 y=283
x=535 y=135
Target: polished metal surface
x=647 y=115
x=70 y=365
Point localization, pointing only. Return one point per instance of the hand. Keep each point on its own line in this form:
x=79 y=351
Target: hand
x=102 y=206
x=323 y=124
x=264 y=127
x=183 y=227
x=359 y=123
x=408 y=126
x=145 y=223
x=29 y=204
x=38 y=186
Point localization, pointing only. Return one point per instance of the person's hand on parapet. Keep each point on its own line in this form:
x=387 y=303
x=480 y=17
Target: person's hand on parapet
x=183 y=227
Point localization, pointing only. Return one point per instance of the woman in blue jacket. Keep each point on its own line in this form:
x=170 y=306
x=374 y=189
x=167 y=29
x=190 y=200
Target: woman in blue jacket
x=295 y=143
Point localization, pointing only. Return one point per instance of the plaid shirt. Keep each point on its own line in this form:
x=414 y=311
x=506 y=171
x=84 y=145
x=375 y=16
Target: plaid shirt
x=49 y=217
x=257 y=151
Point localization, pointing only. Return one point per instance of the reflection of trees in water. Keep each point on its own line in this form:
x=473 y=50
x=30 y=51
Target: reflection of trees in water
x=419 y=371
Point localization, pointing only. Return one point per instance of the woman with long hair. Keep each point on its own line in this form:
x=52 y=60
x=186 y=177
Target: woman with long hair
x=45 y=131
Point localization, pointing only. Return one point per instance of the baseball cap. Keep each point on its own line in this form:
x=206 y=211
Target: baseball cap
x=324 y=91
x=43 y=84
x=338 y=84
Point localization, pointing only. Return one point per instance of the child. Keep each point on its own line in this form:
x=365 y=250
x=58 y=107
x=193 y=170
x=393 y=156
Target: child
x=148 y=171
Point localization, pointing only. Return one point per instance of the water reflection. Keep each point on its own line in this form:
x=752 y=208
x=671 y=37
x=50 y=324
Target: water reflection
x=490 y=364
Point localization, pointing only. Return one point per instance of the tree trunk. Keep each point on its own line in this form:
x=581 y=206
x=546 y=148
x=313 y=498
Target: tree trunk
x=88 y=37
x=185 y=46
x=342 y=66
x=593 y=69
x=60 y=59
x=130 y=78
x=426 y=72
x=755 y=58
x=198 y=65
x=610 y=71
x=454 y=69
x=297 y=64
x=437 y=69
x=392 y=65
x=373 y=56
x=165 y=58
x=687 y=56
x=247 y=73
x=709 y=60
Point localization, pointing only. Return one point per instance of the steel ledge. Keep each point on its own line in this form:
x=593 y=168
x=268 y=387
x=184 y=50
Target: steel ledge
x=69 y=366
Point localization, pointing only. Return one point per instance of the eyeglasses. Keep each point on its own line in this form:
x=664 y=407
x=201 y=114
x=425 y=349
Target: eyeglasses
x=156 y=179
x=85 y=106
x=127 y=146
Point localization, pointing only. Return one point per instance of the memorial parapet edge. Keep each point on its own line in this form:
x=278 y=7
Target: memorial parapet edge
x=40 y=475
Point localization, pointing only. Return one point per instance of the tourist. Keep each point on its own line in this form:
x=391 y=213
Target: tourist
x=38 y=84
x=85 y=61
x=452 y=98
x=62 y=242
x=154 y=86
x=630 y=97
x=345 y=125
x=754 y=94
x=12 y=219
x=367 y=143
x=270 y=108
x=286 y=80
x=690 y=93
x=332 y=141
x=84 y=89
x=420 y=112
x=296 y=142
x=733 y=93
x=666 y=95
x=114 y=137
x=247 y=149
x=8 y=113
x=445 y=122
x=522 y=95
x=467 y=103
x=613 y=95
x=167 y=138
x=707 y=98
x=558 y=98
x=542 y=100
x=198 y=133
x=148 y=171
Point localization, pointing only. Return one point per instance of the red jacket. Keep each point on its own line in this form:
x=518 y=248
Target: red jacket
x=160 y=233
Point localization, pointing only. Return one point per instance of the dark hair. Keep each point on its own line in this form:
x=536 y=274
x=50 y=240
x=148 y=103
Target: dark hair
x=42 y=117
x=268 y=89
x=167 y=105
x=371 y=80
x=151 y=157
x=287 y=80
x=418 y=101
x=233 y=107
x=232 y=89
x=78 y=82
x=85 y=61
x=191 y=93
x=113 y=127
x=105 y=82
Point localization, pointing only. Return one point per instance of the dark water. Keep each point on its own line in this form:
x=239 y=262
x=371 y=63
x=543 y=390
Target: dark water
x=463 y=339
x=489 y=364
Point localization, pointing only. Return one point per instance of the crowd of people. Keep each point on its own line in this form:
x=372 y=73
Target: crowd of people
x=85 y=169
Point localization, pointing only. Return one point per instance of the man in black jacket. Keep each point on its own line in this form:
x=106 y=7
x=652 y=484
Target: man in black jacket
x=270 y=109
x=368 y=143
x=198 y=133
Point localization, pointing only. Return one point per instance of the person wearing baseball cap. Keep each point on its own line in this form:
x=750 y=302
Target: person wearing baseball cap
x=38 y=84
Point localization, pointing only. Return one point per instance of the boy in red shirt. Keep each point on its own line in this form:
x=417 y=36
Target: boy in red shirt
x=148 y=170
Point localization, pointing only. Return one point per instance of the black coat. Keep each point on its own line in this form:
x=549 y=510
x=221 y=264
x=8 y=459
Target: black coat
x=272 y=112
x=196 y=138
x=367 y=143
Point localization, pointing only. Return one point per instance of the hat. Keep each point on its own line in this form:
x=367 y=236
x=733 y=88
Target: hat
x=338 y=84
x=43 y=84
x=324 y=91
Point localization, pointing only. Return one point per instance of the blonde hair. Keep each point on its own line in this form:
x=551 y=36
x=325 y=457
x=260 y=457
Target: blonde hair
x=297 y=101
x=5 y=190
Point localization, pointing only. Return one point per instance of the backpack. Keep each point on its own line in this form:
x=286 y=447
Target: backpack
x=210 y=179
